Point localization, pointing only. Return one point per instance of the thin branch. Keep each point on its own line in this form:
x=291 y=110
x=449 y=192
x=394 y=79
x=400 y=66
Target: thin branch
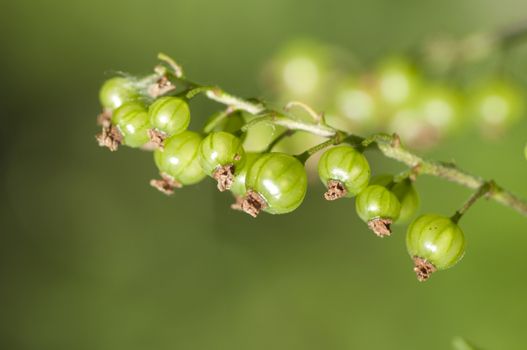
x=447 y=171
x=225 y=98
x=389 y=145
x=279 y=139
x=317 y=117
x=483 y=190
x=176 y=68
x=279 y=119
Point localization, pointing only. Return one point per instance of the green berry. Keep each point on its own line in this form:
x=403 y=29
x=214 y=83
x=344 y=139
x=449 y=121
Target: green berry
x=497 y=105
x=435 y=243
x=133 y=123
x=441 y=108
x=358 y=103
x=408 y=197
x=301 y=69
x=116 y=91
x=238 y=186
x=276 y=183
x=379 y=207
x=221 y=154
x=398 y=81
x=404 y=191
x=344 y=170
x=180 y=158
x=170 y=115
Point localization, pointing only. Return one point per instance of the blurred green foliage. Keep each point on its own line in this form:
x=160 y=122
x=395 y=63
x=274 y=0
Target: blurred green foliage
x=93 y=258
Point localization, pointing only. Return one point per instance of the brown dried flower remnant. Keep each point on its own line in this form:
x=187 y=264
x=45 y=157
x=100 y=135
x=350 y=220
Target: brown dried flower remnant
x=253 y=203
x=166 y=184
x=335 y=190
x=110 y=137
x=423 y=268
x=380 y=226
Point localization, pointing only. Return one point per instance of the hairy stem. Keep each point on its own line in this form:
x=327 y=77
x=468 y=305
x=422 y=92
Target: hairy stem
x=277 y=118
x=483 y=190
x=389 y=145
x=393 y=149
x=278 y=139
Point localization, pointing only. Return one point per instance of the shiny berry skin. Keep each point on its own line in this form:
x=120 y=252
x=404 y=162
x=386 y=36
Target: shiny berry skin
x=358 y=103
x=280 y=180
x=221 y=153
x=116 y=91
x=180 y=158
x=398 y=81
x=436 y=240
x=346 y=165
x=496 y=105
x=238 y=186
x=379 y=207
x=441 y=107
x=404 y=191
x=171 y=115
x=220 y=148
x=132 y=121
x=301 y=70
x=408 y=197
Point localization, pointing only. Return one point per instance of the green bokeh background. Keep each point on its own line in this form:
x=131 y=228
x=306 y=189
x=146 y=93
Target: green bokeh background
x=93 y=258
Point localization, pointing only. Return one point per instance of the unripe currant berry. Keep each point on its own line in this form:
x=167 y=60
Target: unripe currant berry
x=408 y=197
x=344 y=170
x=221 y=153
x=116 y=91
x=404 y=191
x=133 y=123
x=168 y=116
x=178 y=162
x=379 y=208
x=276 y=183
x=238 y=186
x=435 y=243
x=398 y=81
x=497 y=105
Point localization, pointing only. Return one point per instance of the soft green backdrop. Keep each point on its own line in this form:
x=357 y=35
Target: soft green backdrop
x=93 y=258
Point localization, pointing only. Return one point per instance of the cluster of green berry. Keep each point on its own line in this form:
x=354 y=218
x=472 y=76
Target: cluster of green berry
x=268 y=181
x=403 y=94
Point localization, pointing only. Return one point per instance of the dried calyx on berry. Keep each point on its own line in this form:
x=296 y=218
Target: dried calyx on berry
x=405 y=192
x=238 y=187
x=221 y=153
x=276 y=183
x=434 y=242
x=168 y=116
x=344 y=170
x=129 y=126
x=178 y=162
x=379 y=208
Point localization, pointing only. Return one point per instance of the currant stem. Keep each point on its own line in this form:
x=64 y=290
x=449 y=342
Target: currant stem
x=278 y=139
x=317 y=117
x=483 y=190
x=389 y=145
x=339 y=138
x=277 y=118
x=177 y=69
x=217 y=119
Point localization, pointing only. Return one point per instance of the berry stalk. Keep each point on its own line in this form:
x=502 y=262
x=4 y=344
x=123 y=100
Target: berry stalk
x=389 y=145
